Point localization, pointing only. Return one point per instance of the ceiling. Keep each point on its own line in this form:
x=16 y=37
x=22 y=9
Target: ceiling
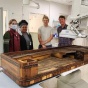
x=66 y=2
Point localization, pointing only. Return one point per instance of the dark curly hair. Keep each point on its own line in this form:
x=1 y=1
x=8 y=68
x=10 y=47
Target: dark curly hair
x=61 y=16
x=23 y=22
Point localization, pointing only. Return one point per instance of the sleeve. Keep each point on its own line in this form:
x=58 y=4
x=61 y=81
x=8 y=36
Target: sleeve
x=51 y=31
x=58 y=31
x=39 y=30
x=6 y=38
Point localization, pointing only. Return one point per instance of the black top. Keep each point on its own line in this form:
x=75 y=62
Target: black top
x=23 y=42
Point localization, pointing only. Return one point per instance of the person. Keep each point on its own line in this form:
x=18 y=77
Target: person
x=26 y=42
x=12 y=38
x=62 y=40
x=45 y=34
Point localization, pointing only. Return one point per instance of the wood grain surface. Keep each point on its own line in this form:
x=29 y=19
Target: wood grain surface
x=32 y=66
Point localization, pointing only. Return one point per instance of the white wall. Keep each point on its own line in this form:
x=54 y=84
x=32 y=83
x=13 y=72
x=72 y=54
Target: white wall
x=58 y=9
x=84 y=10
x=14 y=8
x=51 y=9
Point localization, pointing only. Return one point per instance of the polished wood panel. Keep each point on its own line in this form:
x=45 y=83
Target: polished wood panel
x=29 y=67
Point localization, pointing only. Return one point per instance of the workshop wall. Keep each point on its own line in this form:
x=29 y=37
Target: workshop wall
x=14 y=9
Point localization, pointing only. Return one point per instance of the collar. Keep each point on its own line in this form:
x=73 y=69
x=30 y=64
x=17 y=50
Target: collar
x=13 y=31
x=65 y=26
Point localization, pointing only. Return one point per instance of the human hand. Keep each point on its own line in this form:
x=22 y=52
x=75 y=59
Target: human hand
x=42 y=42
x=43 y=46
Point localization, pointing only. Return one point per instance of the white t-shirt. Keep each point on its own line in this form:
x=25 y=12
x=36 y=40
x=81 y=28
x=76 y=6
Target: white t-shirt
x=45 y=33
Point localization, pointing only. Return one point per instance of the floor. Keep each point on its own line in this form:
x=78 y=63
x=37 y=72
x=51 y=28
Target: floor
x=84 y=74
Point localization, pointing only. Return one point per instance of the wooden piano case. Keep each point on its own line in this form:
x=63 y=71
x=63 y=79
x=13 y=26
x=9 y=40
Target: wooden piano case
x=29 y=67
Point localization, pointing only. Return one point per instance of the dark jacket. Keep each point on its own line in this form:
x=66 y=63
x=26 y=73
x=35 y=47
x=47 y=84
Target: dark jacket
x=23 y=43
x=11 y=41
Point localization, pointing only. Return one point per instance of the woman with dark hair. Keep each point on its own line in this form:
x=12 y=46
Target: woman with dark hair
x=26 y=42
x=12 y=38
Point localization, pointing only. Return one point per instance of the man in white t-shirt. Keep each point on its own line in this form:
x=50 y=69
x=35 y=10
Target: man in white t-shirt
x=45 y=34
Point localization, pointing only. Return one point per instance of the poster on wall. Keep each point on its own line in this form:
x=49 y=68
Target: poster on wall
x=35 y=21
